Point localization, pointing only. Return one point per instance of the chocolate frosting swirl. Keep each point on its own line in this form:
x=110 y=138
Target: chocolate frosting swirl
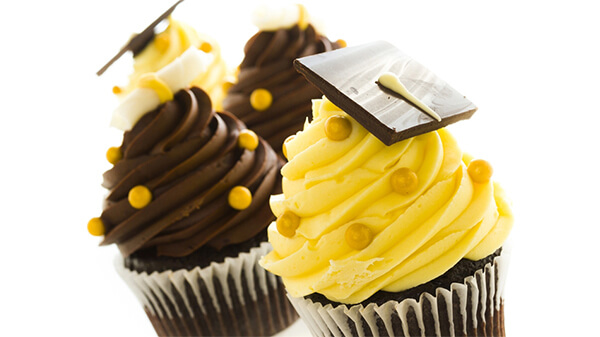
x=188 y=156
x=268 y=64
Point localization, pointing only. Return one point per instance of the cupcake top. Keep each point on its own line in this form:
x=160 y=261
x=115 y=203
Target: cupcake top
x=358 y=216
x=184 y=175
x=270 y=96
x=171 y=43
x=152 y=52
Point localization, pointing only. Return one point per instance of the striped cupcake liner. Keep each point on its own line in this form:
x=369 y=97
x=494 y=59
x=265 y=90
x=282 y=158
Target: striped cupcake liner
x=472 y=308
x=236 y=297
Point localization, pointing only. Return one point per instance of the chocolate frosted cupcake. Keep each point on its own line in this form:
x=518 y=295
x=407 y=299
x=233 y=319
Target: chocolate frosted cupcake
x=270 y=96
x=188 y=207
x=180 y=164
x=385 y=227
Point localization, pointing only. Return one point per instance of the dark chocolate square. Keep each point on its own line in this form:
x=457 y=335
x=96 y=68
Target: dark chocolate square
x=348 y=77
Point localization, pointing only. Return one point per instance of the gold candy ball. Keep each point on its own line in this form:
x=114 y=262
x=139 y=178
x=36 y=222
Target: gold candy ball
x=139 y=197
x=480 y=171
x=342 y=43
x=358 y=236
x=404 y=181
x=338 y=127
x=261 y=99
x=239 y=198
x=96 y=227
x=287 y=224
x=248 y=140
x=206 y=47
x=114 y=155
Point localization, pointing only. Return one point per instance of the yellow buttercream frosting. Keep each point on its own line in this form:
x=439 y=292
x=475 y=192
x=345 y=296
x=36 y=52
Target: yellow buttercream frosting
x=170 y=44
x=403 y=238
x=153 y=82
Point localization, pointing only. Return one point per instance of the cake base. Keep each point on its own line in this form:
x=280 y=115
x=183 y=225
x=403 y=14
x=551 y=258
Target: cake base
x=148 y=261
x=235 y=297
x=470 y=306
x=265 y=316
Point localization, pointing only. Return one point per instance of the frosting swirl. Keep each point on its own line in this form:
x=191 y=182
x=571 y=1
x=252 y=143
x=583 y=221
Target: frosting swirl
x=361 y=229
x=268 y=64
x=189 y=159
x=170 y=44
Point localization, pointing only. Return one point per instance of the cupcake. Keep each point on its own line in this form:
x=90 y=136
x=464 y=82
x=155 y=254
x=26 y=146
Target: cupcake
x=385 y=227
x=153 y=50
x=269 y=95
x=188 y=209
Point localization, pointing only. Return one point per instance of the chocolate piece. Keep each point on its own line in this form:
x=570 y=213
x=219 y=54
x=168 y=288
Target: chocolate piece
x=141 y=40
x=348 y=77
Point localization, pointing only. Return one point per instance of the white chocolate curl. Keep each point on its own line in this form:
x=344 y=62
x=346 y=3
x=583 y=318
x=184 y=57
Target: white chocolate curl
x=392 y=82
x=177 y=75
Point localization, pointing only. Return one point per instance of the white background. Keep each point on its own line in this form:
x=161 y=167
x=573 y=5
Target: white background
x=530 y=66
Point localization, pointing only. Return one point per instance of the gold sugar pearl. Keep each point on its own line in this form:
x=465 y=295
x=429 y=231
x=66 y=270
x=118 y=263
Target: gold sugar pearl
x=283 y=146
x=287 y=224
x=480 y=171
x=248 y=140
x=239 y=198
x=162 y=42
x=117 y=90
x=338 y=127
x=96 y=227
x=206 y=47
x=261 y=99
x=404 y=181
x=114 y=155
x=341 y=43
x=139 y=197
x=358 y=236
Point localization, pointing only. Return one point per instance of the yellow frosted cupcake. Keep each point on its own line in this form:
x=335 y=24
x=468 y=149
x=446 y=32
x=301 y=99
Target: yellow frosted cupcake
x=152 y=52
x=397 y=239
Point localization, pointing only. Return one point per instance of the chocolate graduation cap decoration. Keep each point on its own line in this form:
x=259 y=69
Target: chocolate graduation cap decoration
x=141 y=40
x=350 y=78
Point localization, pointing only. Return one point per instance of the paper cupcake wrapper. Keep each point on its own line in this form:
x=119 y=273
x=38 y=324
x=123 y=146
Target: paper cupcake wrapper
x=236 y=297
x=472 y=308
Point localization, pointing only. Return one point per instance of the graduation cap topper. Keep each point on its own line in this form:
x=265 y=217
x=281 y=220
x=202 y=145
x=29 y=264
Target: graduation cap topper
x=351 y=78
x=137 y=43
